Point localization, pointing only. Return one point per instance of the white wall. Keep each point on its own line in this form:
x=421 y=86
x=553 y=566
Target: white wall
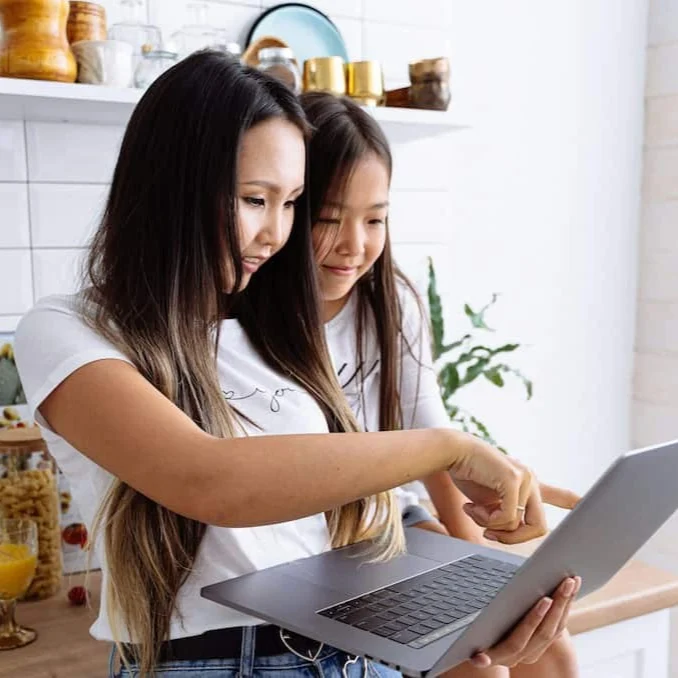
x=539 y=201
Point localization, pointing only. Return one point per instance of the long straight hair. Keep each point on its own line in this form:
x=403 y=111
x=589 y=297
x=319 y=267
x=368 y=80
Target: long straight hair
x=166 y=249
x=343 y=135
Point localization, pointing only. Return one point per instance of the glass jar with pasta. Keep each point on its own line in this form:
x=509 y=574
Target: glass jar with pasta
x=28 y=489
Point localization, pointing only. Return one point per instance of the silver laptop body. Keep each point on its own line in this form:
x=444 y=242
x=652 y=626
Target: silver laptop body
x=343 y=600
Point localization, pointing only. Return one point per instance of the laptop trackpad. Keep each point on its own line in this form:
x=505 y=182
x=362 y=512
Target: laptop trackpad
x=345 y=573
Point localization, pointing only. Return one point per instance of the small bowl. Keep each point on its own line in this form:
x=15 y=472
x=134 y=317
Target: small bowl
x=104 y=62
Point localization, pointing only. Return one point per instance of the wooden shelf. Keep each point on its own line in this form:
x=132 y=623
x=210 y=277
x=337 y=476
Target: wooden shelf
x=61 y=102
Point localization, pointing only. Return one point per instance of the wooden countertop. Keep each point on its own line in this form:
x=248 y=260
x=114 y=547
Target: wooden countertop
x=64 y=647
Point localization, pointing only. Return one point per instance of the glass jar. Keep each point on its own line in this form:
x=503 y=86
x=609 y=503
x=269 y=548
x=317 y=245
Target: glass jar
x=153 y=65
x=279 y=62
x=430 y=84
x=197 y=34
x=134 y=30
x=28 y=489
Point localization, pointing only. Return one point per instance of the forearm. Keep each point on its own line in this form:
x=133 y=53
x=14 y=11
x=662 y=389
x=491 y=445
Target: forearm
x=449 y=502
x=277 y=478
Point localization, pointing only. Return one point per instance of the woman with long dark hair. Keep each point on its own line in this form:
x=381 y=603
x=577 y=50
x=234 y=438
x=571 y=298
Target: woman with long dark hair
x=187 y=394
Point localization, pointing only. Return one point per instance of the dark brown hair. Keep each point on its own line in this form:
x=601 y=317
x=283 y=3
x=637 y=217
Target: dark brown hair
x=343 y=134
x=164 y=252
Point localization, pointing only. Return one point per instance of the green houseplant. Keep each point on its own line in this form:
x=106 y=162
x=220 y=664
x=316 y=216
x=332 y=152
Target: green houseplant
x=466 y=359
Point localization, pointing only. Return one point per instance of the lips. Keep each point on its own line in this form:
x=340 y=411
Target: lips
x=252 y=264
x=341 y=270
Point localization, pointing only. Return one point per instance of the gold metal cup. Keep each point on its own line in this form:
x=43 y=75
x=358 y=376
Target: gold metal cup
x=365 y=82
x=325 y=74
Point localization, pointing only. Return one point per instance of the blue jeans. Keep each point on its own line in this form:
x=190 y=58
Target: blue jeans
x=328 y=664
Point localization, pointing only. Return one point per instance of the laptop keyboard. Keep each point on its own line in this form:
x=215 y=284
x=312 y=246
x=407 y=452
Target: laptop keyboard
x=429 y=606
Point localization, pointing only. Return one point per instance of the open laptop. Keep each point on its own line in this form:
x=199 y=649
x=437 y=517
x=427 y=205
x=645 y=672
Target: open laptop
x=445 y=599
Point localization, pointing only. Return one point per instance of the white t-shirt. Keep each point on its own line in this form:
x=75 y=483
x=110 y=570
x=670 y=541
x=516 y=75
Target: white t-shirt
x=52 y=342
x=420 y=399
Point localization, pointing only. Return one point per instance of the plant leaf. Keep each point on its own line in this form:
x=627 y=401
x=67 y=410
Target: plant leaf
x=494 y=376
x=436 y=313
x=449 y=380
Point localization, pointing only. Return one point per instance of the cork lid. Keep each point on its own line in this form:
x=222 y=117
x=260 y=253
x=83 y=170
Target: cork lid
x=22 y=439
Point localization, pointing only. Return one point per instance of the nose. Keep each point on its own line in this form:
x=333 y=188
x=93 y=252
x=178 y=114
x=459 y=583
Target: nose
x=351 y=238
x=276 y=229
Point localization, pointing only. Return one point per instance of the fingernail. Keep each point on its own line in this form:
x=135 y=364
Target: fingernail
x=482 y=661
x=567 y=589
x=544 y=606
x=491 y=537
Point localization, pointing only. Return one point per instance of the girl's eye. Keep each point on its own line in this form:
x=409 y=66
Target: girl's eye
x=290 y=204
x=331 y=222
x=377 y=222
x=256 y=202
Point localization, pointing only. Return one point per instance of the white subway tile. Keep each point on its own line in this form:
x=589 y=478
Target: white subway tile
x=660 y=174
x=662 y=22
x=14 y=216
x=70 y=153
x=656 y=378
x=65 y=215
x=658 y=278
x=236 y=18
x=424 y=165
x=432 y=13
x=653 y=424
x=656 y=327
x=12 y=151
x=661 y=121
x=56 y=271
x=8 y=323
x=659 y=229
x=395 y=46
x=333 y=8
x=352 y=32
x=661 y=71
x=16 y=283
x=419 y=216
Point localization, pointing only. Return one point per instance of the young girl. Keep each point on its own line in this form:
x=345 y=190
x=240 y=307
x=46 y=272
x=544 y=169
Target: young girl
x=188 y=396
x=374 y=322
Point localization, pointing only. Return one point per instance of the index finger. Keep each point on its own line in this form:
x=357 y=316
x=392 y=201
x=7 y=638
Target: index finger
x=558 y=496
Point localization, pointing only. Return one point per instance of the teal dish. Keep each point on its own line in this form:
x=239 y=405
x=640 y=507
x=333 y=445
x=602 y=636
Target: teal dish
x=307 y=31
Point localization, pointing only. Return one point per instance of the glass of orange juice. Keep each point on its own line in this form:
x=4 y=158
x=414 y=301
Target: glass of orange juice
x=18 y=559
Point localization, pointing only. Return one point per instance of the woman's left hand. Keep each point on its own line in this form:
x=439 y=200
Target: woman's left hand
x=535 y=632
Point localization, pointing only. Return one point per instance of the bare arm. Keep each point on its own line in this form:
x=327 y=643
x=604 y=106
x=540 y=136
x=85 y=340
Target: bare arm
x=110 y=413
x=449 y=502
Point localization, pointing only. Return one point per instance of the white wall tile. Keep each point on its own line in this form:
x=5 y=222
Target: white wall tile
x=660 y=174
x=8 y=323
x=421 y=216
x=65 y=215
x=659 y=231
x=662 y=22
x=653 y=424
x=352 y=32
x=662 y=74
x=432 y=13
x=395 y=46
x=659 y=278
x=12 y=151
x=333 y=8
x=16 y=285
x=656 y=378
x=65 y=153
x=14 y=216
x=56 y=271
x=235 y=17
x=422 y=166
x=656 y=327
x=661 y=120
